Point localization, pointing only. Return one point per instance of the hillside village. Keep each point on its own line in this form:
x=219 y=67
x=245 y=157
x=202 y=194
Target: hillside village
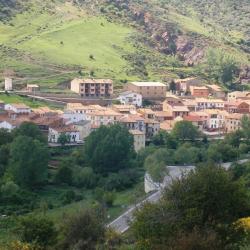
x=144 y=108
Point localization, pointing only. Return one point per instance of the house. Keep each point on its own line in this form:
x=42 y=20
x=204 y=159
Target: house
x=104 y=117
x=129 y=97
x=199 y=91
x=183 y=85
x=152 y=128
x=216 y=119
x=197 y=121
x=18 y=108
x=161 y=116
x=84 y=128
x=139 y=139
x=148 y=90
x=233 y=122
x=216 y=91
x=133 y=122
x=32 y=88
x=175 y=111
x=243 y=107
x=209 y=103
x=83 y=109
x=190 y=103
x=55 y=133
x=71 y=116
x=92 y=87
x=233 y=96
x=146 y=113
x=124 y=109
x=168 y=125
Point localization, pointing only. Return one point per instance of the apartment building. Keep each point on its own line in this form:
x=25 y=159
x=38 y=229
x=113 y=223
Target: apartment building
x=148 y=90
x=233 y=122
x=95 y=88
x=206 y=103
x=199 y=91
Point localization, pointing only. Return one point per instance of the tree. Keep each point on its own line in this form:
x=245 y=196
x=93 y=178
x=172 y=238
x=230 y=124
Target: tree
x=5 y=137
x=64 y=174
x=37 y=230
x=29 y=161
x=174 y=62
x=172 y=86
x=83 y=231
x=208 y=201
x=109 y=149
x=63 y=139
x=245 y=124
x=31 y=130
x=185 y=130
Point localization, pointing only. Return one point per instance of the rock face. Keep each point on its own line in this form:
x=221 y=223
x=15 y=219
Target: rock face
x=245 y=75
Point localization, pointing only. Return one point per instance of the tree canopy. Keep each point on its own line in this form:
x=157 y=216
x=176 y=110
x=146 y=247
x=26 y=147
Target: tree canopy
x=109 y=149
x=185 y=130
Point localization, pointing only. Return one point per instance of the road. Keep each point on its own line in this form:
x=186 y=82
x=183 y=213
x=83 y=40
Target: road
x=121 y=224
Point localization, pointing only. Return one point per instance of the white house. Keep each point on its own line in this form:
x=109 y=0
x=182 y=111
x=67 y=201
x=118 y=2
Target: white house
x=72 y=133
x=129 y=97
x=18 y=108
x=71 y=116
x=206 y=103
x=7 y=125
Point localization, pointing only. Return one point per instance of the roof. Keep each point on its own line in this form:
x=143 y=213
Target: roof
x=82 y=123
x=149 y=84
x=146 y=111
x=209 y=100
x=125 y=93
x=234 y=116
x=180 y=108
x=199 y=87
x=136 y=132
x=193 y=118
x=107 y=112
x=64 y=129
x=92 y=80
x=163 y=114
x=131 y=118
x=215 y=87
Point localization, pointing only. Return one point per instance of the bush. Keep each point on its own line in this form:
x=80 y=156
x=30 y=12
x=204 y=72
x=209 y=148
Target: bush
x=64 y=175
x=84 y=177
x=68 y=197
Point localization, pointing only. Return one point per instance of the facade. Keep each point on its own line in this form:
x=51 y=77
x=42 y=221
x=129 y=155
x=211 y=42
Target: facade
x=216 y=91
x=130 y=98
x=243 y=107
x=32 y=88
x=71 y=116
x=139 y=139
x=105 y=117
x=233 y=122
x=207 y=103
x=96 y=88
x=152 y=128
x=233 y=96
x=176 y=111
x=125 y=108
x=216 y=119
x=199 y=91
x=183 y=85
x=198 y=122
x=72 y=133
x=148 y=90
x=18 y=108
x=84 y=128
x=133 y=122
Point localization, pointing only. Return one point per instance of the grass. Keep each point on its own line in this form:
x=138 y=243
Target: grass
x=51 y=194
x=13 y=98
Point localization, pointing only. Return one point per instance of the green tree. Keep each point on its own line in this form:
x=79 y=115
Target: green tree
x=185 y=130
x=205 y=200
x=37 y=230
x=5 y=137
x=29 y=161
x=31 y=130
x=64 y=174
x=63 y=139
x=109 y=149
x=83 y=231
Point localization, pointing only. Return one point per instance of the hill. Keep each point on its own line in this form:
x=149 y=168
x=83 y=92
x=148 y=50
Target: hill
x=53 y=41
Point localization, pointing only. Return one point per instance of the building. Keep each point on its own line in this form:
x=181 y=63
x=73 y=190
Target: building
x=18 y=108
x=148 y=90
x=207 y=103
x=71 y=116
x=197 y=121
x=133 y=122
x=161 y=116
x=216 y=91
x=243 y=107
x=233 y=122
x=175 y=111
x=199 y=91
x=2 y=104
x=72 y=134
x=83 y=109
x=84 y=128
x=129 y=97
x=233 y=96
x=139 y=139
x=32 y=88
x=8 y=86
x=152 y=128
x=125 y=109
x=216 y=119
x=92 y=87
x=104 y=117
x=183 y=85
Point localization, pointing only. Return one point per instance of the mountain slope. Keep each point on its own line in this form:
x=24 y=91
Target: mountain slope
x=53 y=41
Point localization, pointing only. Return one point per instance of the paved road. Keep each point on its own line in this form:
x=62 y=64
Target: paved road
x=121 y=224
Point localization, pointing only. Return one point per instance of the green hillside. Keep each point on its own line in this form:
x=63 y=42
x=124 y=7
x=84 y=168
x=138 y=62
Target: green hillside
x=50 y=42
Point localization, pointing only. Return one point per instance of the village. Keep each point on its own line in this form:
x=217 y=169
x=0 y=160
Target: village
x=144 y=108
